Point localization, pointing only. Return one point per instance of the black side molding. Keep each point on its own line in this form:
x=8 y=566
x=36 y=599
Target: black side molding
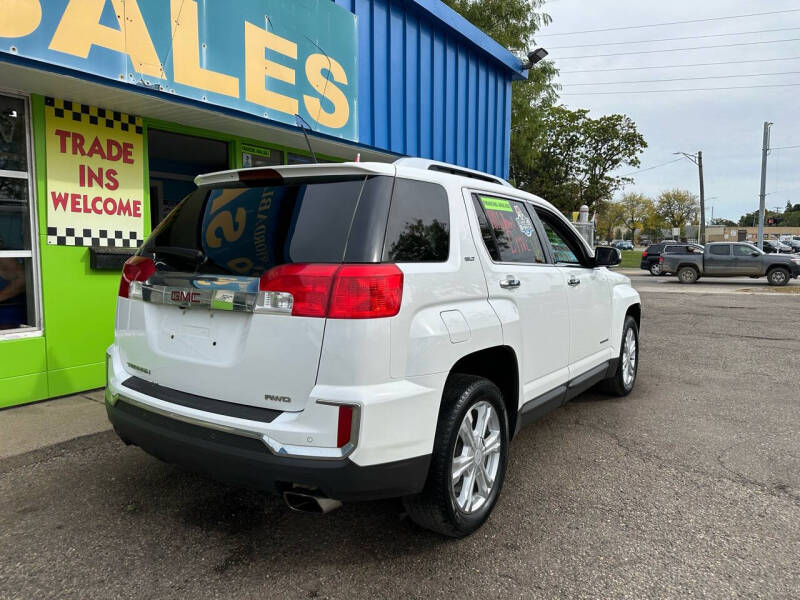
x=535 y=409
x=229 y=409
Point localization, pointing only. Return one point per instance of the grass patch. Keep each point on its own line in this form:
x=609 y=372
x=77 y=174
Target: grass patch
x=631 y=259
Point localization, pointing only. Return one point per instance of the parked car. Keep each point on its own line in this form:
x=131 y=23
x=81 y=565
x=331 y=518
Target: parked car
x=650 y=256
x=623 y=245
x=357 y=331
x=794 y=244
x=776 y=247
x=722 y=259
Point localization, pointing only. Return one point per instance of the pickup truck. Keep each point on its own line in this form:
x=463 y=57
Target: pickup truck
x=722 y=259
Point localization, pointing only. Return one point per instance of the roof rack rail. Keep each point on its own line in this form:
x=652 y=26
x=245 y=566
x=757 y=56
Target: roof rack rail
x=443 y=167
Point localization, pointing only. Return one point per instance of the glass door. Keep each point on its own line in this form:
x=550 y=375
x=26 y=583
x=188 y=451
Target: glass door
x=19 y=292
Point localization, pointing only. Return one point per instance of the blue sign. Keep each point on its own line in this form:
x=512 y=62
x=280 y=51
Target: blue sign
x=271 y=58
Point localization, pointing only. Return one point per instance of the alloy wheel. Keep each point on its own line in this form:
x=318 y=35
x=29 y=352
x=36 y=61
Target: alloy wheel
x=629 y=359
x=476 y=457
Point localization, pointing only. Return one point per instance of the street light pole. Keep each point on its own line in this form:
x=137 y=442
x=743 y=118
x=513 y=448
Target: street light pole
x=698 y=160
x=702 y=198
x=763 y=195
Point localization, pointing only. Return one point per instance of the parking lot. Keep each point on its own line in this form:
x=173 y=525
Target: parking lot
x=688 y=487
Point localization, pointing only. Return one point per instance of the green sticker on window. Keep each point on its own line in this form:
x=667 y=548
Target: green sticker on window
x=496 y=204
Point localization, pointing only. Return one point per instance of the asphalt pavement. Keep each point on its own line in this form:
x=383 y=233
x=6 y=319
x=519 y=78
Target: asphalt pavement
x=689 y=487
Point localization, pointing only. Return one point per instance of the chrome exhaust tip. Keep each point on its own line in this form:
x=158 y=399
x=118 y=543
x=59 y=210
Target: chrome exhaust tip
x=310 y=503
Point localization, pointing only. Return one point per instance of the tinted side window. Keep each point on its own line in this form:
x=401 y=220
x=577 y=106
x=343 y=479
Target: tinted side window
x=419 y=223
x=743 y=250
x=512 y=229
x=566 y=249
x=655 y=249
x=722 y=250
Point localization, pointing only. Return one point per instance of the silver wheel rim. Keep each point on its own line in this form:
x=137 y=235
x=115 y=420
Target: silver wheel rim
x=629 y=359
x=687 y=275
x=655 y=269
x=476 y=457
x=778 y=277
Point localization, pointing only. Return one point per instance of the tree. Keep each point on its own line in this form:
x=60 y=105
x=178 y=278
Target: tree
x=635 y=208
x=609 y=217
x=721 y=221
x=576 y=158
x=677 y=207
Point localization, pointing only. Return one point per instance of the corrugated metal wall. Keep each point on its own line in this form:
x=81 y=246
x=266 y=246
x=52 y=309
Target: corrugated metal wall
x=425 y=91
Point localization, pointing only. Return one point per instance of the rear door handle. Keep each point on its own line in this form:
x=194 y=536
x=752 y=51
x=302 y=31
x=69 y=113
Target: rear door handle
x=573 y=281
x=509 y=282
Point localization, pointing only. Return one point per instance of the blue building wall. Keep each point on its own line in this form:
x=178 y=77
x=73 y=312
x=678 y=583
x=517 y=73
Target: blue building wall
x=429 y=86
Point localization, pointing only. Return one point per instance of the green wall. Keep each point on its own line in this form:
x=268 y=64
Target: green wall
x=78 y=303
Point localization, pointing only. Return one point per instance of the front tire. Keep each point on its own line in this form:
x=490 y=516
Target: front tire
x=468 y=464
x=778 y=276
x=624 y=378
x=688 y=275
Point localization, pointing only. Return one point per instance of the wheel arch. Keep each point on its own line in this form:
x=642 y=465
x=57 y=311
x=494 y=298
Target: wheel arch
x=498 y=364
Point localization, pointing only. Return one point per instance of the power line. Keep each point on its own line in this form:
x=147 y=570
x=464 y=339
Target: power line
x=775 y=12
x=681 y=49
x=682 y=78
x=673 y=39
x=706 y=64
x=637 y=171
x=784 y=147
x=737 y=87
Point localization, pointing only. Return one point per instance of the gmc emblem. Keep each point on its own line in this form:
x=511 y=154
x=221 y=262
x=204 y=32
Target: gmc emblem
x=185 y=297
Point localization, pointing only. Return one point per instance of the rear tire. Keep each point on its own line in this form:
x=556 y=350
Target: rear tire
x=624 y=378
x=468 y=464
x=778 y=276
x=655 y=269
x=688 y=275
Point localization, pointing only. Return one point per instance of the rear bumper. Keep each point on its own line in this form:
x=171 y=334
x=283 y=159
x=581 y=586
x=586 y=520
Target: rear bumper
x=246 y=461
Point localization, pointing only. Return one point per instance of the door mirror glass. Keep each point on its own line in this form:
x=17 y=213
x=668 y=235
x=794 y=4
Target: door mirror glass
x=754 y=254
x=606 y=256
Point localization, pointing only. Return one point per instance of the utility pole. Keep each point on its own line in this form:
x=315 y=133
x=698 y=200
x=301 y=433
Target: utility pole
x=702 y=235
x=698 y=160
x=763 y=195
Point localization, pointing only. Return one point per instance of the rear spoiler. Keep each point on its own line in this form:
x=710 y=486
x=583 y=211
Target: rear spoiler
x=288 y=173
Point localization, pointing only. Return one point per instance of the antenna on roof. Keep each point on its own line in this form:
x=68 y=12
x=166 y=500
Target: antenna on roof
x=301 y=123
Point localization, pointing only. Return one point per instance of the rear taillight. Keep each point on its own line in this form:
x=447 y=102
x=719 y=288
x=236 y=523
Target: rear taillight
x=136 y=268
x=366 y=292
x=660 y=259
x=344 y=429
x=644 y=254
x=309 y=285
x=338 y=291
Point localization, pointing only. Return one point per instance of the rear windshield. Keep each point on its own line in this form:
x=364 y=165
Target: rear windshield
x=248 y=230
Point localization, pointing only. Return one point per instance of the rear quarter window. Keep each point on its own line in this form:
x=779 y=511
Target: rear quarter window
x=418 y=229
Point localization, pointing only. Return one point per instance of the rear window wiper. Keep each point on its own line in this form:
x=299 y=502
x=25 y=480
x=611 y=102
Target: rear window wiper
x=197 y=255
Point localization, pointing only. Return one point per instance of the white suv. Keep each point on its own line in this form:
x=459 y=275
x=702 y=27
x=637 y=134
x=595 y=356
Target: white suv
x=362 y=330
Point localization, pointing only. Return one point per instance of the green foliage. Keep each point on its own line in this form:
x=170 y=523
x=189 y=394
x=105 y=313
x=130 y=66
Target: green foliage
x=576 y=157
x=677 y=207
x=790 y=217
x=721 y=221
x=635 y=209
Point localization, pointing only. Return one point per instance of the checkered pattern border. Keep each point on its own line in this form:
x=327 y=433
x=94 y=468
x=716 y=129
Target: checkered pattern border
x=103 y=238
x=113 y=119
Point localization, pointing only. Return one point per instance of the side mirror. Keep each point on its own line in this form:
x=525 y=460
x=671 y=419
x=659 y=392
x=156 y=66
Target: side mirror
x=754 y=254
x=606 y=256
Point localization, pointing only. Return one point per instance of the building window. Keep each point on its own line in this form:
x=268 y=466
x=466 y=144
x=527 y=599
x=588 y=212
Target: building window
x=18 y=269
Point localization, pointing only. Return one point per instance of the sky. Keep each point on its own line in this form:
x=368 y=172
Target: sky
x=727 y=125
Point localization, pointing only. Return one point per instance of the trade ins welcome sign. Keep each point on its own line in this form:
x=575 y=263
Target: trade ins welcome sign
x=95 y=176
